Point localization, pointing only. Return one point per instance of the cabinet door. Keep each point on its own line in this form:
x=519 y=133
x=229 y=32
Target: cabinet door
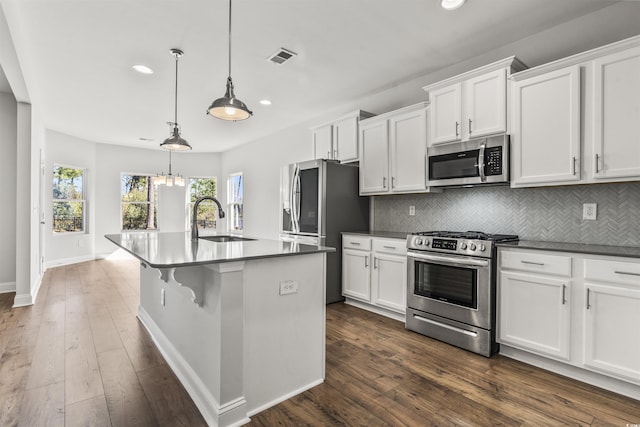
x=535 y=314
x=546 y=134
x=374 y=157
x=617 y=115
x=322 y=138
x=389 y=281
x=408 y=145
x=356 y=281
x=611 y=334
x=345 y=140
x=486 y=104
x=445 y=114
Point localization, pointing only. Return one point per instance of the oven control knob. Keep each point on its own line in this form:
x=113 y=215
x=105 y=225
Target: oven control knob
x=472 y=246
x=418 y=242
x=426 y=242
x=463 y=246
x=482 y=248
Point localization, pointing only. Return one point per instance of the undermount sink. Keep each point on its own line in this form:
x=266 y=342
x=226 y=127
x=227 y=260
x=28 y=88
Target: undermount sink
x=225 y=238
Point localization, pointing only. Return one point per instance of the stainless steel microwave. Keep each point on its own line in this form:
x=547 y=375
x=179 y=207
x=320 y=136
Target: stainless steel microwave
x=479 y=161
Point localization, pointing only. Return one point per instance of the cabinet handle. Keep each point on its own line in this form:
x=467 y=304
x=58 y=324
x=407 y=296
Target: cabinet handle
x=389 y=247
x=627 y=273
x=470 y=126
x=355 y=243
x=384 y=182
x=335 y=154
x=532 y=263
x=366 y=261
x=375 y=262
x=588 y=297
x=564 y=292
x=393 y=182
x=328 y=154
x=574 y=165
x=597 y=159
x=457 y=124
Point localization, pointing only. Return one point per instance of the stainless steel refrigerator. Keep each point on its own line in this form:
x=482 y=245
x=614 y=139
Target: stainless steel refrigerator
x=318 y=201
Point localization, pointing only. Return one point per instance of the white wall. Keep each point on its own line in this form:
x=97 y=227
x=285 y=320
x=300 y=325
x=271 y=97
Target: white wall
x=8 y=146
x=112 y=160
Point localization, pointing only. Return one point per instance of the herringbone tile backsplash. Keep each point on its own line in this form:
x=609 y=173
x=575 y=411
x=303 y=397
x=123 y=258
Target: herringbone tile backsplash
x=547 y=214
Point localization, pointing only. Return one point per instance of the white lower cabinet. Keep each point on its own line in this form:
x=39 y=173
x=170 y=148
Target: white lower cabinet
x=535 y=313
x=374 y=273
x=578 y=309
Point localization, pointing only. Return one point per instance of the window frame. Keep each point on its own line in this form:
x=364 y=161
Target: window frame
x=189 y=203
x=157 y=203
x=85 y=225
x=231 y=202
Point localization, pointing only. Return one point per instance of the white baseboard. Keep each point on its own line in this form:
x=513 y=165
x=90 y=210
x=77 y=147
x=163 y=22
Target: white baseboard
x=376 y=309
x=23 y=300
x=561 y=368
x=204 y=400
x=7 y=287
x=68 y=261
x=283 y=398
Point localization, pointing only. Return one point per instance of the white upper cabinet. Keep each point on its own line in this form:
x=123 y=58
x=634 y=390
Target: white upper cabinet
x=575 y=120
x=338 y=140
x=486 y=97
x=393 y=152
x=546 y=132
x=408 y=150
x=616 y=139
x=374 y=157
x=470 y=105
x=446 y=114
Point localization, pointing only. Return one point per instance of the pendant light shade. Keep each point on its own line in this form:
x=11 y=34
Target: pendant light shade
x=229 y=107
x=169 y=179
x=175 y=142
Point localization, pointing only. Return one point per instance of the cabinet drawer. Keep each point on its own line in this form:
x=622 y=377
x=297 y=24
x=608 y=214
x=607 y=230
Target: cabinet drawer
x=392 y=246
x=558 y=265
x=356 y=242
x=612 y=271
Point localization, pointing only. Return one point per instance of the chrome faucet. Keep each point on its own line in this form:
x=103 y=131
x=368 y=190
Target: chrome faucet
x=194 y=215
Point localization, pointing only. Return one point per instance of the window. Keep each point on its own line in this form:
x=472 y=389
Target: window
x=234 y=201
x=200 y=187
x=68 y=199
x=139 y=203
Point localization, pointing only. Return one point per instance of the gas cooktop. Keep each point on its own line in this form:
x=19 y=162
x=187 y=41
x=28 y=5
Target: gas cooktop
x=471 y=243
x=469 y=235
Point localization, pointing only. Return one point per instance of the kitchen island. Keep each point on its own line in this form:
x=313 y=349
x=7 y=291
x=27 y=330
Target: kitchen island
x=240 y=322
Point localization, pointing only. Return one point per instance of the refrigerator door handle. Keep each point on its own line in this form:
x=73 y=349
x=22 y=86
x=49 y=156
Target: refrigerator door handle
x=298 y=200
x=295 y=191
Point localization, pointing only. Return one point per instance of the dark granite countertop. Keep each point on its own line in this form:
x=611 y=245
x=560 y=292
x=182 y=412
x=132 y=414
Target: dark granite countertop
x=581 y=248
x=385 y=234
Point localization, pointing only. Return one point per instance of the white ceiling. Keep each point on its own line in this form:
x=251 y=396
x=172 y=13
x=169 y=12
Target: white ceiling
x=76 y=57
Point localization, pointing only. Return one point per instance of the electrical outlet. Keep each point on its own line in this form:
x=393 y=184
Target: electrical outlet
x=590 y=211
x=162 y=296
x=288 y=287
x=412 y=210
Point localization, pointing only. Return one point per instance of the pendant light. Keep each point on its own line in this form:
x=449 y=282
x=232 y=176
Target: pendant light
x=175 y=141
x=229 y=107
x=169 y=180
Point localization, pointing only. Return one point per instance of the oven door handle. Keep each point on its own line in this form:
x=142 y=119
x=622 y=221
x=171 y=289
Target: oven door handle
x=467 y=262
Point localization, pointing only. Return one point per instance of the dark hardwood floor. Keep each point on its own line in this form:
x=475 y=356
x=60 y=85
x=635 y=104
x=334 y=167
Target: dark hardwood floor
x=79 y=357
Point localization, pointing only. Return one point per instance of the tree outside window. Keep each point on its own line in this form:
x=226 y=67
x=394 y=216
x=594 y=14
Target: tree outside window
x=235 y=190
x=68 y=199
x=139 y=203
x=207 y=210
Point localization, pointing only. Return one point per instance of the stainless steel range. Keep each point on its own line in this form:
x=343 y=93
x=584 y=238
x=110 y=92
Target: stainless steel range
x=452 y=287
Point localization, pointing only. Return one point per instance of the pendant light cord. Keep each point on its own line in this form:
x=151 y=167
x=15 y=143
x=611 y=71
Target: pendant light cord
x=176 y=97
x=229 y=39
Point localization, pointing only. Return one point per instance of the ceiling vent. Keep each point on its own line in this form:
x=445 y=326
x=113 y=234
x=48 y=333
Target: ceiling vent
x=281 y=56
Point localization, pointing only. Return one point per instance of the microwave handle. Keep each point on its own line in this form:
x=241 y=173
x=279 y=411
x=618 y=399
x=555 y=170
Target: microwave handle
x=483 y=177
x=295 y=182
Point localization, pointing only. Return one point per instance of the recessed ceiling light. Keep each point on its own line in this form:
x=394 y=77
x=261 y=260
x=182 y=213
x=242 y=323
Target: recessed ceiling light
x=451 y=4
x=143 y=69
x=265 y=102
x=142 y=138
